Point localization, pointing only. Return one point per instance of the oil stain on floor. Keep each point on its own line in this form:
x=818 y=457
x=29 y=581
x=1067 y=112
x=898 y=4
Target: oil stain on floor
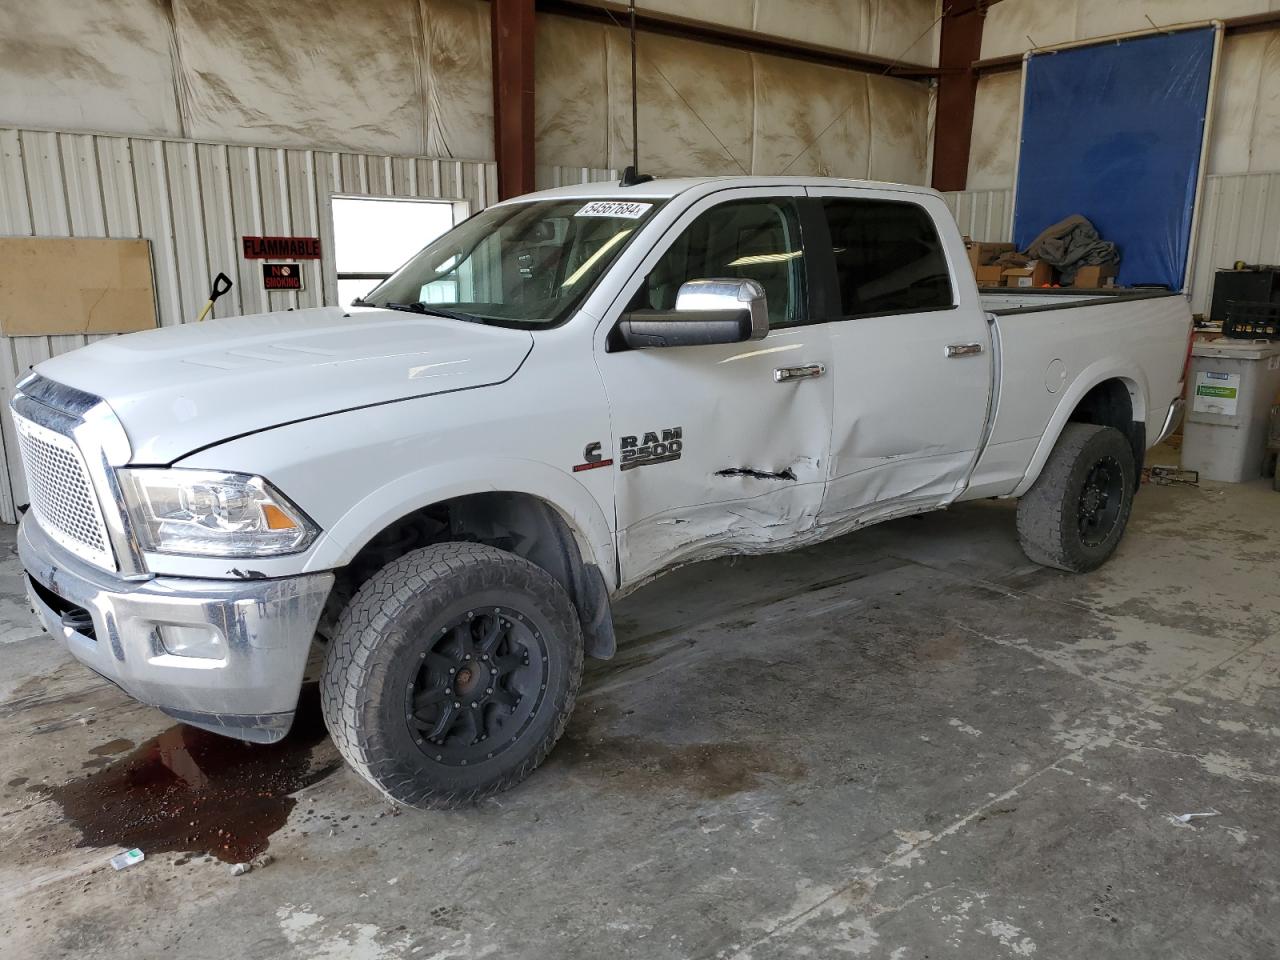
x=188 y=790
x=593 y=751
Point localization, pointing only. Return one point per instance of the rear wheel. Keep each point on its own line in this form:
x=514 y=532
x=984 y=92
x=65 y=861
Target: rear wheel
x=1075 y=513
x=452 y=674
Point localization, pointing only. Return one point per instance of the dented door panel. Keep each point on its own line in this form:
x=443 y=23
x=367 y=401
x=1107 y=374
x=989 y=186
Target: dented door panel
x=912 y=388
x=908 y=418
x=715 y=456
x=717 y=453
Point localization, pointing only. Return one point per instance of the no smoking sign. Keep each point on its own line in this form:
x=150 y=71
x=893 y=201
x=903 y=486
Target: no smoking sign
x=281 y=276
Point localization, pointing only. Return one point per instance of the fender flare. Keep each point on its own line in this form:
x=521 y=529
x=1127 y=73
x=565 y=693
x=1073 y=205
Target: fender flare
x=1123 y=369
x=403 y=495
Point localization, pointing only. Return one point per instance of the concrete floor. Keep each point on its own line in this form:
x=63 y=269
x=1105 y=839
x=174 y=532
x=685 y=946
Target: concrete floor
x=909 y=743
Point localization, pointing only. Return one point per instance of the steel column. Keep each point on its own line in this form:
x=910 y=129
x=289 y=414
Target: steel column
x=957 y=92
x=512 y=24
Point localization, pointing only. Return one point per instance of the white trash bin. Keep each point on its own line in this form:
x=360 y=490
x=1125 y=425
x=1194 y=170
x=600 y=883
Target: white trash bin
x=1230 y=389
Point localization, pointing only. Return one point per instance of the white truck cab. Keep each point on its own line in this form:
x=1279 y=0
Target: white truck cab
x=550 y=405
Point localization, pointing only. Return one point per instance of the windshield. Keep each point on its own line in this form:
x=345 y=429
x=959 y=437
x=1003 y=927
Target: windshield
x=516 y=264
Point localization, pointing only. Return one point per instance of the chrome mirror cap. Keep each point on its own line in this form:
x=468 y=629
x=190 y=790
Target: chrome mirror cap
x=729 y=293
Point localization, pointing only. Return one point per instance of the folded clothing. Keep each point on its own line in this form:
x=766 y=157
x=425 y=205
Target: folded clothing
x=1071 y=244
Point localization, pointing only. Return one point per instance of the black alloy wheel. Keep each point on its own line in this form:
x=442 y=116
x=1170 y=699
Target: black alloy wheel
x=452 y=673
x=482 y=679
x=1101 y=501
x=1075 y=513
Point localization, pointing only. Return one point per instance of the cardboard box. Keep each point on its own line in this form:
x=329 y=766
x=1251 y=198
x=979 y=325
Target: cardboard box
x=1037 y=273
x=991 y=275
x=982 y=254
x=1096 y=277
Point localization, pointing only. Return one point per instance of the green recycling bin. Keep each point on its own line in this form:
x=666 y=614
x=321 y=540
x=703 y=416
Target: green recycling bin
x=1231 y=387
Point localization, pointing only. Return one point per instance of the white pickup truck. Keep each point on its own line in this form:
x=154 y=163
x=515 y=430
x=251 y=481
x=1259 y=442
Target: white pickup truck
x=556 y=401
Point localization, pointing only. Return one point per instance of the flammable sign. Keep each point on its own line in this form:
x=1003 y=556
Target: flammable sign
x=281 y=276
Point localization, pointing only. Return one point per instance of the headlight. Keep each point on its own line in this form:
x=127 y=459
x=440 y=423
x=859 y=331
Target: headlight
x=213 y=514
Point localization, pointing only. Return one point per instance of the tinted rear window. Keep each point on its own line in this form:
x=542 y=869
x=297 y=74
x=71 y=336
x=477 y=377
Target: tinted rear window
x=888 y=255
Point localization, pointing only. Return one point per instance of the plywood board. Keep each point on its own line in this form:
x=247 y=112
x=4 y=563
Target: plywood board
x=60 y=285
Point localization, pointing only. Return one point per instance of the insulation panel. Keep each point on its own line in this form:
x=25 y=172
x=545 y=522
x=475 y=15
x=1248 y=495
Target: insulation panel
x=709 y=110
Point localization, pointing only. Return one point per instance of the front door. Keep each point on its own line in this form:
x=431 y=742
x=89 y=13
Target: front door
x=912 y=353
x=720 y=449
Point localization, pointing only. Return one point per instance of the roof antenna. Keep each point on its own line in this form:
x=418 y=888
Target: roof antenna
x=632 y=175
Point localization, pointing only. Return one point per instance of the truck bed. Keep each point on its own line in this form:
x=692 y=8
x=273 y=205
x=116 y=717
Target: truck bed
x=1054 y=345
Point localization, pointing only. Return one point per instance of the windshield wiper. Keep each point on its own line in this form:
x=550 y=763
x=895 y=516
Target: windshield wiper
x=431 y=310
x=362 y=302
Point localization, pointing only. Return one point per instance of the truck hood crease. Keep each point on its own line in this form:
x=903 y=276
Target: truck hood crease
x=181 y=389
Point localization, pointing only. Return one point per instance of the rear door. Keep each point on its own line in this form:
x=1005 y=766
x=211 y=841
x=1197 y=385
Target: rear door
x=911 y=348
x=720 y=448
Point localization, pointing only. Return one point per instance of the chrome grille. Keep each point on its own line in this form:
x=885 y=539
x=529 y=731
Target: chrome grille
x=61 y=495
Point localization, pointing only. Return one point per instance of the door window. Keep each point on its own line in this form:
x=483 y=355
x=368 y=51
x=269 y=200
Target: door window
x=888 y=256
x=753 y=239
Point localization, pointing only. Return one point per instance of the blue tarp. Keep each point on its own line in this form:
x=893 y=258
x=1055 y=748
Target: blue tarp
x=1113 y=132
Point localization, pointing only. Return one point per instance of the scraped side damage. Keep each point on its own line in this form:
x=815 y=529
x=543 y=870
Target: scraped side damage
x=787 y=474
x=772 y=514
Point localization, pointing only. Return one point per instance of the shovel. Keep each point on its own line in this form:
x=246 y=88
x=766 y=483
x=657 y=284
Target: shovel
x=221 y=284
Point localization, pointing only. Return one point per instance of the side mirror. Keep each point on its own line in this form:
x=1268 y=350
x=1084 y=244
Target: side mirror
x=706 y=312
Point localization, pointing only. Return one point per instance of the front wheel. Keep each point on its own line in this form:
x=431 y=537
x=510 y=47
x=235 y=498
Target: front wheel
x=1075 y=513
x=452 y=673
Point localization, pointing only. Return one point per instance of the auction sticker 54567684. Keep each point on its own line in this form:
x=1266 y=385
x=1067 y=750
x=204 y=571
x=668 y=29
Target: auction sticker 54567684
x=628 y=209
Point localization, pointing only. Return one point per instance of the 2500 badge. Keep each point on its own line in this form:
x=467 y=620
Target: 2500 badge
x=640 y=451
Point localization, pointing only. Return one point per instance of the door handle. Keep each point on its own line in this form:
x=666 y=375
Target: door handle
x=802 y=372
x=963 y=349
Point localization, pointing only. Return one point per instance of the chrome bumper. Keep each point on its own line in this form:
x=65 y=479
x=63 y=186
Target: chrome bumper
x=1172 y=420
x=258 y=633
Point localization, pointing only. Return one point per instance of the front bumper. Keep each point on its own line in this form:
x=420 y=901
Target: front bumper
x=257 y=633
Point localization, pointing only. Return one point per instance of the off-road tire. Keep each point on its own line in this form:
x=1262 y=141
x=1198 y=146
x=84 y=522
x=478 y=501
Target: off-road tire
x=378 y=647
x=1049 y=513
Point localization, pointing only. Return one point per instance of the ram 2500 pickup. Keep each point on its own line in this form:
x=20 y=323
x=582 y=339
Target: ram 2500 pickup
x=567 y=394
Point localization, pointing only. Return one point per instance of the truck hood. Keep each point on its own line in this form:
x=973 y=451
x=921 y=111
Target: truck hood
x=179 y=389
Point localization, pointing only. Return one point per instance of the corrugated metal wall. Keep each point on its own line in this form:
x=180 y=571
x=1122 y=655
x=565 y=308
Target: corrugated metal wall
x=193 y=201
x=546 y=177
x=985 y=215
x=1239 y=220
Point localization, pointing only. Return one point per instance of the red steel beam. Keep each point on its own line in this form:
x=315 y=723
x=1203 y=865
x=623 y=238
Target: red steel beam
x=687 y=28
x=512 y=26
x=960 y=46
